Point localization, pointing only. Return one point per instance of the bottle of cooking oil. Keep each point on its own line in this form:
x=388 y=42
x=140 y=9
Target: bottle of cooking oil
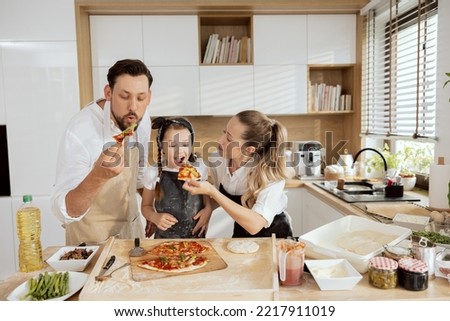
x=28 y=220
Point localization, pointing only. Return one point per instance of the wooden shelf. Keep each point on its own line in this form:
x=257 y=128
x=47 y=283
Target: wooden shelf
x=225 y=25
x=331 y=75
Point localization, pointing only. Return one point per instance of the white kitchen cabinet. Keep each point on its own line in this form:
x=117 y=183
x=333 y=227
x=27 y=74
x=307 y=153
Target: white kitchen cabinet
x=294 y=208
x=114 y=38
x=175 y=91
x=7 y=239
x=276 y=82
x=226 y=90
x=280 y=89
x=170 y=40
x=331 y=39
x=316 y=212
x=280 y=39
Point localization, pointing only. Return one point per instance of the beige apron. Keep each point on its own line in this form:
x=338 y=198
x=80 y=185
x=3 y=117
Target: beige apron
x=115 y=209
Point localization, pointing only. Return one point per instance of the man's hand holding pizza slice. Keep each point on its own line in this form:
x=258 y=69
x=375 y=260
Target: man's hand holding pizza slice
x=127 y=132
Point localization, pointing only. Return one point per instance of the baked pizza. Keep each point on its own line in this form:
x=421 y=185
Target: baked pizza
x=187 y=172
x=175 y=263
x=176 y=257
x=175 y=248
x=127 y=132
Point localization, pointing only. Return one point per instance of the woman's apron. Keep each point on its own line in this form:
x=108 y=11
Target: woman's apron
x=281 y=225
x=115 y=209
x=180 y=203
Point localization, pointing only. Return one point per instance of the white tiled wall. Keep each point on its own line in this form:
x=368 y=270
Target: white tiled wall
x=30 y=20
x=2 y=93
x=38 y=95
x=41 y=94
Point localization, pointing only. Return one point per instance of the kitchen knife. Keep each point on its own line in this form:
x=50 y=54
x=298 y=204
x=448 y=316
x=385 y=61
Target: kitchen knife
x=107 y=266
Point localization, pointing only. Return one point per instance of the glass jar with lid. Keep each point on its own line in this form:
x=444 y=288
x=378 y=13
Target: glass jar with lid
x=383 y=272
x=412 y=274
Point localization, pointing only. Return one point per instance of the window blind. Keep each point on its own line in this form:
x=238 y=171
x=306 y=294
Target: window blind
x=399 y=69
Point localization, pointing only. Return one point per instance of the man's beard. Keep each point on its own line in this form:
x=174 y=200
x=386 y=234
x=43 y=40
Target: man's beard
x=122 y=122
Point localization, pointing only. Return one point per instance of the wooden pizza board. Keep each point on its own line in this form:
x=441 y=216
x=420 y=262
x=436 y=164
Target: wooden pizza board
x=215 y=262
x=252 y=276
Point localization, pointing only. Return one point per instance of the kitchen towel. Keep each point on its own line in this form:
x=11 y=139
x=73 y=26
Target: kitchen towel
x=438 y=186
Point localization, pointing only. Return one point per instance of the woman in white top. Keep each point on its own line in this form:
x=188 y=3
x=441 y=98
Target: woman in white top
x=249 y=176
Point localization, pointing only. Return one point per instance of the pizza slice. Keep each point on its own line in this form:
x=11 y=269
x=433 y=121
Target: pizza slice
x=175 y=263
x=187 y=172
x=127 y=132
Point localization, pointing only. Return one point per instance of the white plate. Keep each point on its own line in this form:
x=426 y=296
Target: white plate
x=76 y=282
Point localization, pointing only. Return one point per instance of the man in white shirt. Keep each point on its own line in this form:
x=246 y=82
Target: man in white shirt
x=97 y=180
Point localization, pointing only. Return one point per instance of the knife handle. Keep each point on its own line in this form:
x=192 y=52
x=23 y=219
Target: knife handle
x=110 y=262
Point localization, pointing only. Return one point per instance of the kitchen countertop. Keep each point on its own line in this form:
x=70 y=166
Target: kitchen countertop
x=438 y=288
x=342 y=206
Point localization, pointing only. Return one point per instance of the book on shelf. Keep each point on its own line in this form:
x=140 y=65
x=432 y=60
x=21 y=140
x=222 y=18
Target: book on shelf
x=323 y=97
x=227 y=50
x=212 y=47
x=208 y=48
x=215 y=56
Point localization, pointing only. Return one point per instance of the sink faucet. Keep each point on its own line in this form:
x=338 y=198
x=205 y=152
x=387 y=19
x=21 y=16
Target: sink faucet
x=373 y=150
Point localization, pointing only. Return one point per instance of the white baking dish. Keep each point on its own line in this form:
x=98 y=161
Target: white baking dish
x=327 y=241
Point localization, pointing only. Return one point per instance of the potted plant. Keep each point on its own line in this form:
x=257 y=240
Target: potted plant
x=376 y=164
x=411 y=159
x=448 y=81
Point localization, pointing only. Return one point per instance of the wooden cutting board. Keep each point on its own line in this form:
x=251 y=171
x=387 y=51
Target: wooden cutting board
x=389 y=210
x=215 y=262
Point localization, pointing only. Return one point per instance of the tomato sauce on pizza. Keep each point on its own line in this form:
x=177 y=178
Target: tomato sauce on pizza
x=187 y=172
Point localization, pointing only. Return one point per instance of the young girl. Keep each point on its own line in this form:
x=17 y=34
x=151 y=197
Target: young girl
x=250 y=176
x=175 y=212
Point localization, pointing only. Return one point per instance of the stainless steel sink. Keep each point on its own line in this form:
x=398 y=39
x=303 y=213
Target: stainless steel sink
x=362 y=191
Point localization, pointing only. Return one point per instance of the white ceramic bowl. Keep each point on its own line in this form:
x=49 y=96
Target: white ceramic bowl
x=333 y=274
x=74 y=264
x=413 y=222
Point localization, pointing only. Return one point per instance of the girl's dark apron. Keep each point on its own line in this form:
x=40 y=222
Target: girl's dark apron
x=280 y=226
x=180 y=203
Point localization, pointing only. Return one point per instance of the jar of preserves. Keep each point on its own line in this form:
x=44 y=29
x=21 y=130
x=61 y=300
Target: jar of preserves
x=383 y=272
x=412 y=274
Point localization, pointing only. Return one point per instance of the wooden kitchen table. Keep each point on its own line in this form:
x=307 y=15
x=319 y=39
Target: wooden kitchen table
x=438 y=288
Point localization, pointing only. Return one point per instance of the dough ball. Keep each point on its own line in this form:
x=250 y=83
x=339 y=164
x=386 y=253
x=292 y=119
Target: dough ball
x=437 y=216
x=243 y=246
